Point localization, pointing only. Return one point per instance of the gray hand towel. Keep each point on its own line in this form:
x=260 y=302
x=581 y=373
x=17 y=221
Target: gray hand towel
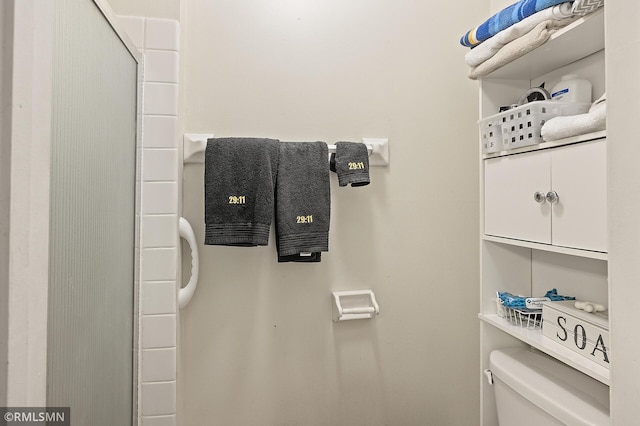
x=351 y=163
x=239 y=182
x=303 y=201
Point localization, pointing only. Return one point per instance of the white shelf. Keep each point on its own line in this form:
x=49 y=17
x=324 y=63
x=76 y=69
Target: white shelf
x=535 y=338
x=578 y=40
x=553 y=144
x=548 y=247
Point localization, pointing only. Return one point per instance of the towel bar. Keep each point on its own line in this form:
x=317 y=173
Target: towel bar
x=194 y=145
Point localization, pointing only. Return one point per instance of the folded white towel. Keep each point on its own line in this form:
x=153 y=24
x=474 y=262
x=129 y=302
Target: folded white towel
x=490 y=47
x=519 y=47
x=574 y=125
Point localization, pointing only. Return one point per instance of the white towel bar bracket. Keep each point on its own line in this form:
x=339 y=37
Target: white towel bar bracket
x=194 y=145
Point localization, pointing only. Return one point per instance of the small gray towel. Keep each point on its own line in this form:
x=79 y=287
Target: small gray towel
x=351 y=163
x=239 y=182
x=303 y=201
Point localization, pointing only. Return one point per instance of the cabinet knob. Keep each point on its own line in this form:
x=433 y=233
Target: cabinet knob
x=539 y=197
x=552 y=197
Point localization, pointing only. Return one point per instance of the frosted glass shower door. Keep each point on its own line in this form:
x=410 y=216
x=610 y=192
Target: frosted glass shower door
x=92 y=267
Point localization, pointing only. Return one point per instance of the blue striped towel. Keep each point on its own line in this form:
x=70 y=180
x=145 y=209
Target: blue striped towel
x=504 y=19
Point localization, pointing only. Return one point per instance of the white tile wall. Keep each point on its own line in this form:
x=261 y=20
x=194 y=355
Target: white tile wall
x=161 y=66
x=160 y=99
x=158 y=331
x=159 y=421
x=159 y=197
x=157 y=231
x=158 y=264
x=158 y=398
x=158 y=298
x=159 y=365
x=159 y=131
x=159 y=165
x=162 y=34
x=158 y=40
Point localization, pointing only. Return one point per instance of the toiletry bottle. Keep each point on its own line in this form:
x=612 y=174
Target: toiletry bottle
x=572 y=89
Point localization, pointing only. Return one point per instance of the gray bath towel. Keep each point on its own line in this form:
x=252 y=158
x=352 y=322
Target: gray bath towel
x=239 y=182
x=303 y=201
x=351 y=163
x=314 y=257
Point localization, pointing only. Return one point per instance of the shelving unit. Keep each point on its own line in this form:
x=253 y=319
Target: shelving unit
x=525 y=266
x=534 y=338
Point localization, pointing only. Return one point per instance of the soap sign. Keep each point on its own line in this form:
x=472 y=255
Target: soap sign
x=583 y=333
x=581 y=340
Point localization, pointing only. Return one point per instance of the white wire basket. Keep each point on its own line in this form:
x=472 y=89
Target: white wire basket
x=522 y=317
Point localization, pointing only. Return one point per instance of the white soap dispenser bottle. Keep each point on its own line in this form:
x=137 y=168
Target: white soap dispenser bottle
x=572 y=89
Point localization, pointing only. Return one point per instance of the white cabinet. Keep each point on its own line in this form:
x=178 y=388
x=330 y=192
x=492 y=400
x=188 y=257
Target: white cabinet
x=554 y=196
x=579 y=177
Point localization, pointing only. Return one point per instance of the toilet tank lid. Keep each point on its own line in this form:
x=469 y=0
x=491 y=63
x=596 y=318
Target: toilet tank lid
x=565 y=393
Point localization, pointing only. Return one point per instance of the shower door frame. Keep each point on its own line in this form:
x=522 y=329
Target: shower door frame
x=25 y=141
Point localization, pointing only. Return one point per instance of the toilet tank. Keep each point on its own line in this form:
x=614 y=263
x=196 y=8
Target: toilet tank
x=533 y=389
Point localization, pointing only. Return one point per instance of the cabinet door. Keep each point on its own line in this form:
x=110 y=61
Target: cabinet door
x=579 y=177
x=510 y=209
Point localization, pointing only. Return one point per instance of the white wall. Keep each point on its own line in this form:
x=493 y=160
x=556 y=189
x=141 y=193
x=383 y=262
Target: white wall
x=5 y=102
x=257 y=343
x=623 y=107
x=497 y=6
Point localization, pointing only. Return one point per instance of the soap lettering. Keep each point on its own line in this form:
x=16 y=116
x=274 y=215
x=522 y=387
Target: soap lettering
x=583 y=335
x=580 y=338
x=563 y=329
x=602 y=348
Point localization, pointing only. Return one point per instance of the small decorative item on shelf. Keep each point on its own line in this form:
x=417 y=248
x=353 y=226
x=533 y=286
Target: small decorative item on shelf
x=590 y=307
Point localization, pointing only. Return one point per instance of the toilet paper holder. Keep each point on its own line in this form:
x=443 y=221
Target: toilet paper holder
x=354 y=304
